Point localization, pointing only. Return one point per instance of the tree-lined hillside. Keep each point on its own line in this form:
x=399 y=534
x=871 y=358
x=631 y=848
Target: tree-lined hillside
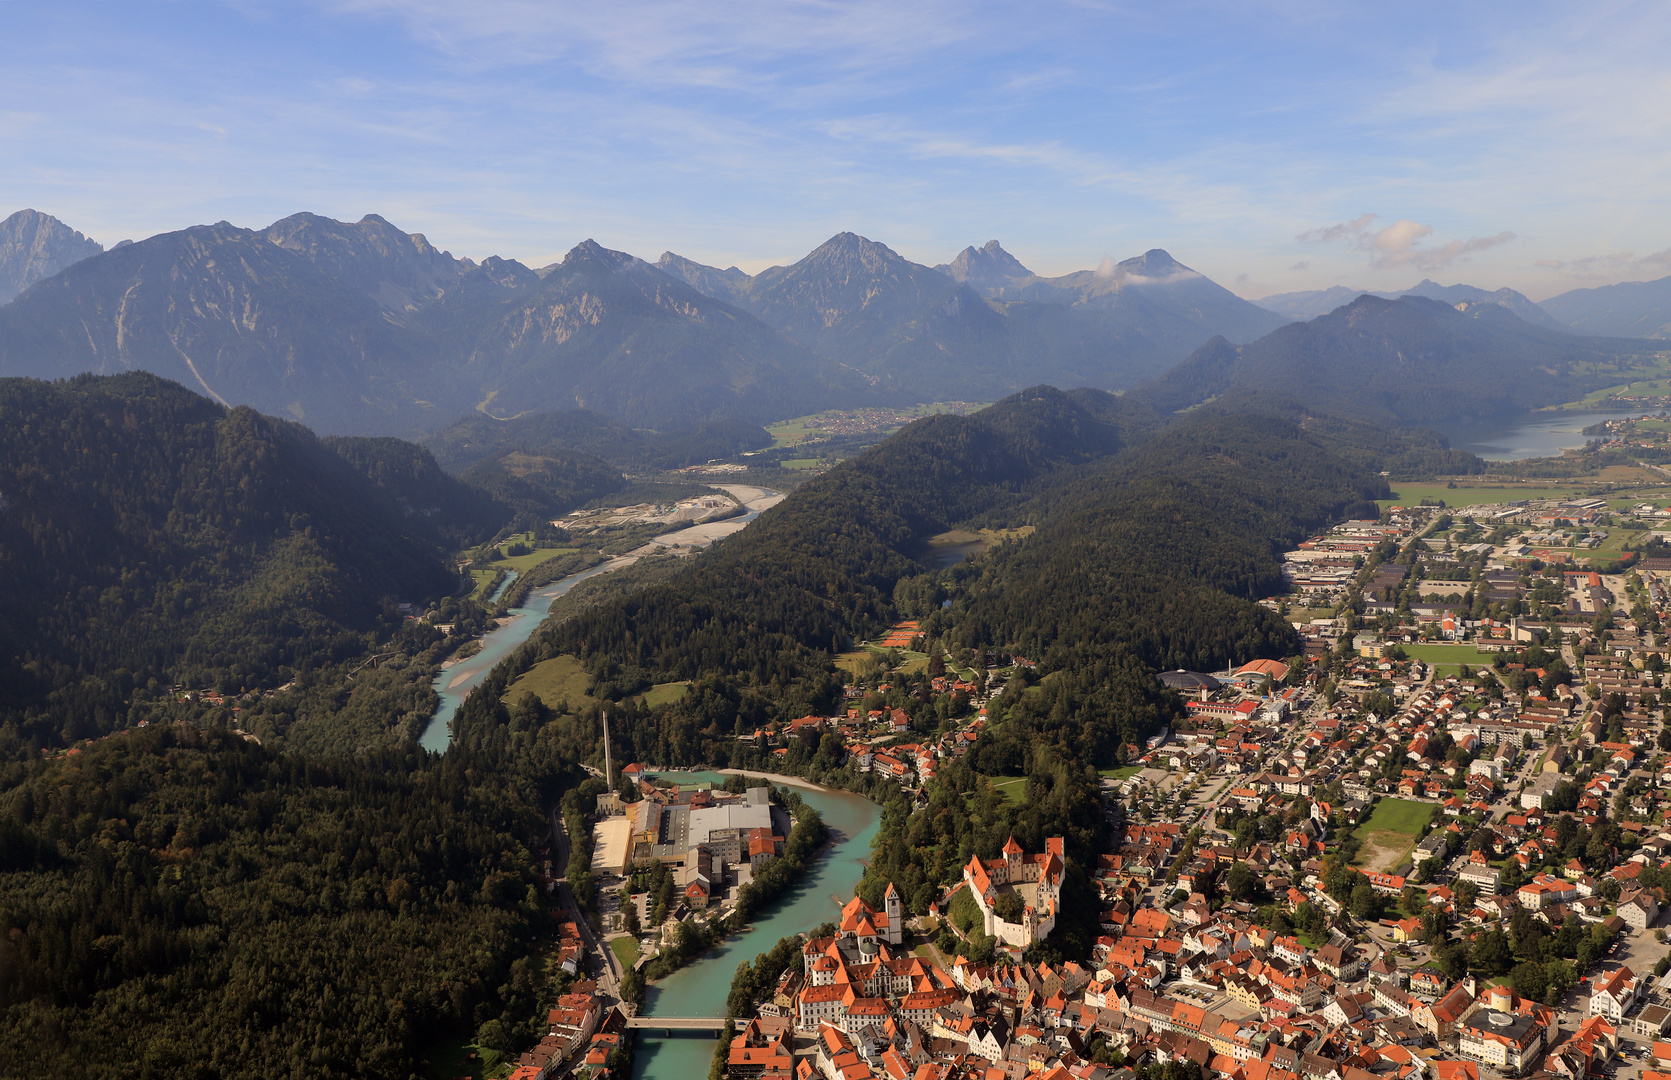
x=149 y=536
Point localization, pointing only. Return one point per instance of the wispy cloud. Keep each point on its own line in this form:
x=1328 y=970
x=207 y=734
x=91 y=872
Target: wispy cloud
x=1612 y=265
x=1401 y=243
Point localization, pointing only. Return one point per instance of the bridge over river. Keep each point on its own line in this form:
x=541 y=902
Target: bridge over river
x=715 y=1024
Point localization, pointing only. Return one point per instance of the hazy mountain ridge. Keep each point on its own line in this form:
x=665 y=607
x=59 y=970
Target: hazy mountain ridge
x=359 y=328
x=1629 y=309
x=34 y=246
x=1410 y=361
x=984 y=325
x=1303 y=306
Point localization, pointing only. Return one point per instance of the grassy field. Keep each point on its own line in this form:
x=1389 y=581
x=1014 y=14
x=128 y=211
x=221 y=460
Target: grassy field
x=799 y=463
x=1445 y=659
x=554 y=681
x=665 y=693
x=483 y=580
x=524 y=563
x=1390 y=833
x=1659 y=387
x=1013 y=788
x=625 y=949
x=849 y=661
x=1120 y=774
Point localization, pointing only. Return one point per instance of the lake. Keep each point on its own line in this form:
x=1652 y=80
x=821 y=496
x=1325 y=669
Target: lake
x=1532 y=436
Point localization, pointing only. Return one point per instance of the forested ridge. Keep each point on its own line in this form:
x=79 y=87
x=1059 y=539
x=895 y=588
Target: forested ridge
x=151 y=537
x=150 y=534
x=1149 y=551
x=452 y=513
x=1412 y=360
x=754 y=620
x=182 y=903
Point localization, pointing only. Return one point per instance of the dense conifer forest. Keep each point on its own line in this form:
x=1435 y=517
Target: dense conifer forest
x=182 y=903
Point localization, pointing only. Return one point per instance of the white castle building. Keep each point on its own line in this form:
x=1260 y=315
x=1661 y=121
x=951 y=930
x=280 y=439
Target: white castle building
x=1036 y=879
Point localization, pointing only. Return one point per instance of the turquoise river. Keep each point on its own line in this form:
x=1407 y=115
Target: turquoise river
x=700 y=988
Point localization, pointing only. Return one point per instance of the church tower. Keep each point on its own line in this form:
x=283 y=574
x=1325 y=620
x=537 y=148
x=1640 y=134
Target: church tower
x=892 y=908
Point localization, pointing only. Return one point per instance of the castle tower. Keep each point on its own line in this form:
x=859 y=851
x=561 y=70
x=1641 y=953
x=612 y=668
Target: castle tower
x=1012 y=860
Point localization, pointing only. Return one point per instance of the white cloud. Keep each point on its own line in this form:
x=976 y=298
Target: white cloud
x=1400 y=244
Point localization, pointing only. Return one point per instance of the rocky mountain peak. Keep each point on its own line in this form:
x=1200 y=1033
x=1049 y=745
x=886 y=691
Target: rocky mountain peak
x=986 y=265
x=851 y=252
x=591 y=255
x=34 y=246
x=1154 y=267
x=402 y=271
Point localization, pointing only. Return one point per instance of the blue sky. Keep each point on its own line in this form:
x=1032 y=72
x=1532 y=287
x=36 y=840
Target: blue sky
x=1273 y=146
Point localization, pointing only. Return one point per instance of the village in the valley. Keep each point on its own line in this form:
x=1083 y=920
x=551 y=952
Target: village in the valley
x=1432 y=848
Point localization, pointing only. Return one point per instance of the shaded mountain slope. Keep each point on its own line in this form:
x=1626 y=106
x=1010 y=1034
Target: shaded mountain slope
x=1629 y=309
x=151 y=533
x=609 y=332
x=1408 y=361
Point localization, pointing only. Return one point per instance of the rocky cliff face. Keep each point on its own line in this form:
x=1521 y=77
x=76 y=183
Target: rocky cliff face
x=34 y=246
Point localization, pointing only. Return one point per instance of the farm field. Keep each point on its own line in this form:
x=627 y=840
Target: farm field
x=554 y=681
x=1390 y=834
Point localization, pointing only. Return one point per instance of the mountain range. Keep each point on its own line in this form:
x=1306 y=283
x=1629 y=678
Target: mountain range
x=1301 y=306
x=361 y=328
x=983 y=323
x=1412 y=361
x=1629 y=309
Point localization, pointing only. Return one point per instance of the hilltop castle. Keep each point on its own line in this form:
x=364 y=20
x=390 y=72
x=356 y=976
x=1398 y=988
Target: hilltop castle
x=1035 y=879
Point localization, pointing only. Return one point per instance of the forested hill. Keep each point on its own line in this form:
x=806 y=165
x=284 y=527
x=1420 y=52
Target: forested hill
x=1158 y=553
x=149 y=535
x=1406 y=361
x=1147 y=555
x=1404 y=453
x=758 y=614
x=184 y=903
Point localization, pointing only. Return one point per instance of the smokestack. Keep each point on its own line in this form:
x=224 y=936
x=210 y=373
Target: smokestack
x=608 y=768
